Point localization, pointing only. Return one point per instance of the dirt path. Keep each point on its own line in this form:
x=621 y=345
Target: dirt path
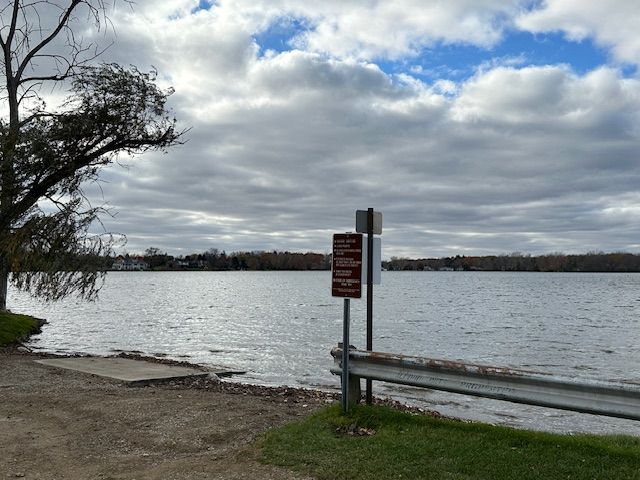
x=60 y=424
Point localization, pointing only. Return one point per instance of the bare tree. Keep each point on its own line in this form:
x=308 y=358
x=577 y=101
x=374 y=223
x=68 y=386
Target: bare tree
x=48 y=154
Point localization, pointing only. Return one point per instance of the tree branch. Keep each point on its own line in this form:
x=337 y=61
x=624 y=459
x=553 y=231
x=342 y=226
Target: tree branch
x=62 y=22
x=46 y=184
x=14 y=21
x=33 y=116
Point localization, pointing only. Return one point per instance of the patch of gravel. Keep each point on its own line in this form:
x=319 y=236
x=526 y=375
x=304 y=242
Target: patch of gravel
x=61 y=424
x=57 y=423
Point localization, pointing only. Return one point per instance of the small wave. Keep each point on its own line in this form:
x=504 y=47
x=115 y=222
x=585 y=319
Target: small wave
x=541 y=365
x=584 y=368
x=505 y=415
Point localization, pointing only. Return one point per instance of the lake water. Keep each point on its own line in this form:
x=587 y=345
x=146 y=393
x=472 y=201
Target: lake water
x=281 y=326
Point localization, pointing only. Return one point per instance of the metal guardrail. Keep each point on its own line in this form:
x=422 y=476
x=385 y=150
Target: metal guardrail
x=520 y=386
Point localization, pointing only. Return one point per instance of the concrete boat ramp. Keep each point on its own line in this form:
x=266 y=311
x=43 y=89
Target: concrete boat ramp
x=133 y=372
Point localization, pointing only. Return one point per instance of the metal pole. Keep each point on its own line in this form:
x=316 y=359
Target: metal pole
x=345 y=357
x=369 y=394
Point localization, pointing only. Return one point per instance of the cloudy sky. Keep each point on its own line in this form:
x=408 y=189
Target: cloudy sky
x=475 y=126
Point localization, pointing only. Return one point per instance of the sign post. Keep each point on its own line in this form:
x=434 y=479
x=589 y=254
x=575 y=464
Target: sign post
x=369 y=222
x=346 y=282
x=369 y=384
x=345 y=355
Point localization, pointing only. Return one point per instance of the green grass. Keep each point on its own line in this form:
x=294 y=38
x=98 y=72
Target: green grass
x=14 y=327
x=419 y=447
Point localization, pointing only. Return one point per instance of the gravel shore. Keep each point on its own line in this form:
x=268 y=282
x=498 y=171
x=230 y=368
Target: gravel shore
x=61 y=424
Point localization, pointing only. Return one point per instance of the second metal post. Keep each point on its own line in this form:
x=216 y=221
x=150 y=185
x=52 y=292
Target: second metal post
x=369 y=394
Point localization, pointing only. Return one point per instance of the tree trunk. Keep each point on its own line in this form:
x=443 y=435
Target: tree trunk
x=7 y=172
x=4 y=283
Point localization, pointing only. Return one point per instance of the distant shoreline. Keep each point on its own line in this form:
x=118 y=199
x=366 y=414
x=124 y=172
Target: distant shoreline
x=617 y=262
x=186 y=270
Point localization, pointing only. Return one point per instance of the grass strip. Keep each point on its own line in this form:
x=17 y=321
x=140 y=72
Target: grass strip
x=381 y=443
x=15 y=327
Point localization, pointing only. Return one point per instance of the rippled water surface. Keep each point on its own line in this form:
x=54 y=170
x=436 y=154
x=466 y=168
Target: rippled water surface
x=280 y=327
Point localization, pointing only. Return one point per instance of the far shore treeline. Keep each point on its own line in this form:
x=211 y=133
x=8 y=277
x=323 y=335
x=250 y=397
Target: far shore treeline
x=213 y=259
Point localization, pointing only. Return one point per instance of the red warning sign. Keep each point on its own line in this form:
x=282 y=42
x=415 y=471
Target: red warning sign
x=346 y=267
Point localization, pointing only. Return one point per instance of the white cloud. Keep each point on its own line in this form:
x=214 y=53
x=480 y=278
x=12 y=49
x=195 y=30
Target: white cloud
x=552 y=96
x=367 y=30
x=612 y=24
x=359 y=29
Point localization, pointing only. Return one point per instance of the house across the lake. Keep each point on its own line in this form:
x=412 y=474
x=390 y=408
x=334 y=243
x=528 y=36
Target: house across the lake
x=129 y=263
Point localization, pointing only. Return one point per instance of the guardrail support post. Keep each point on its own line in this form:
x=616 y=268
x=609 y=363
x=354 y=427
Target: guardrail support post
x=355 y=390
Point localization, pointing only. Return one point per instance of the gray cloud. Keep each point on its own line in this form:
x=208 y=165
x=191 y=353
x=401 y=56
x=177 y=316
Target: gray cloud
x=285 y=147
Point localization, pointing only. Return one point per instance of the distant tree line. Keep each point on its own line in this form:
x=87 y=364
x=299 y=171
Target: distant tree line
x=518 y=262
x=214 y=259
